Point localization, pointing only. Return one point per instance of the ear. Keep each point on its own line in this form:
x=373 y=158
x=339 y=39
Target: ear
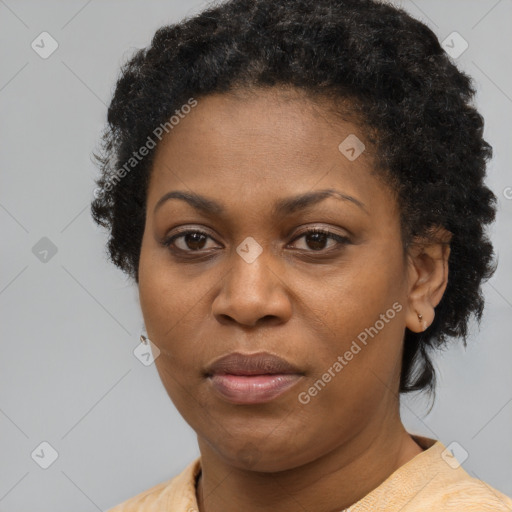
x=427 y=259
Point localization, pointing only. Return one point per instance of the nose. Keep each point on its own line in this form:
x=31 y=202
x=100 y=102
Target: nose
x=252 y=293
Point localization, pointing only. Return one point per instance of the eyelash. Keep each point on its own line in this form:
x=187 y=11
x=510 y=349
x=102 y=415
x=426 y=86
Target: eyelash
x=341 y=240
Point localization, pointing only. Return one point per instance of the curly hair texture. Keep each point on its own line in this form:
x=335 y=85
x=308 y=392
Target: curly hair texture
x=383 y=66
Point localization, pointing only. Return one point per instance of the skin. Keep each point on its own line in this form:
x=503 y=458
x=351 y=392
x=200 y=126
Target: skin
x=302 y=299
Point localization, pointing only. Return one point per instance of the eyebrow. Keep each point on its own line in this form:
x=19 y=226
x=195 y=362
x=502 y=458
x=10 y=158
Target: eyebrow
x=285 y=206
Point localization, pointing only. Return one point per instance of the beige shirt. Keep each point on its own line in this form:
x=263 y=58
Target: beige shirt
x=431 y=481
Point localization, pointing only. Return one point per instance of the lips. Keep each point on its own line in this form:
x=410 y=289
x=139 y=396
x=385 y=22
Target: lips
x=261 y=363
x=252 y=378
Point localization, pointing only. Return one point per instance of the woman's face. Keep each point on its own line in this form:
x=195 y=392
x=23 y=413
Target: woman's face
x=251 y=280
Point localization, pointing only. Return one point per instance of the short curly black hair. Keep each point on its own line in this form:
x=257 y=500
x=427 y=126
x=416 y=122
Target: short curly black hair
x=402 y=86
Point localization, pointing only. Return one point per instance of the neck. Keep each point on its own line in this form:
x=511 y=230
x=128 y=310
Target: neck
x=334 y=481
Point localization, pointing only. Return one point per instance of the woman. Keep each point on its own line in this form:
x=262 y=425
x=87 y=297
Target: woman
x=296 y=187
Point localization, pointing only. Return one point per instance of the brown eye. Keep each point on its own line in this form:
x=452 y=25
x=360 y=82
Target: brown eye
x=316 y=239
x=193 y=240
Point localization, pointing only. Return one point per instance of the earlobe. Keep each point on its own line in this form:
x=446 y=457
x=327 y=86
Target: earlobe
x=427 y=278
x=417 y=321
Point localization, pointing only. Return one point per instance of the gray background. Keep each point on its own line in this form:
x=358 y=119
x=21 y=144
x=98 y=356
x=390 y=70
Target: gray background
x=69 y=325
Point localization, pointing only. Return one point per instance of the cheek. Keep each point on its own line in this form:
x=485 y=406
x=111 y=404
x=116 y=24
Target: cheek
x=174 y=305
x=165 y=297
x=164 y=306
x=359 y=357
x=353 y=299
x=168 y=317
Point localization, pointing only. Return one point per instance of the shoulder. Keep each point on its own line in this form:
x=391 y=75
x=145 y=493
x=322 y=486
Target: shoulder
x=178 y=492
x=149 y=498
x=433 y=480
x=473 y=494
x=448 y=487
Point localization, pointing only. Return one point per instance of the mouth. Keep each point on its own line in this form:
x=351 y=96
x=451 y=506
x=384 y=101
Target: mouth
x=252 y=378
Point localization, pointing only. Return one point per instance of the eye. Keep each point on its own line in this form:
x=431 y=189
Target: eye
x=316 y=239
x=193 y=240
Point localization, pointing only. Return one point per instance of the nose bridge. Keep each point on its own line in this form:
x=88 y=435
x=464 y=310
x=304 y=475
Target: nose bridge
x=252 y=288
x=254 y=265
x=251 y=276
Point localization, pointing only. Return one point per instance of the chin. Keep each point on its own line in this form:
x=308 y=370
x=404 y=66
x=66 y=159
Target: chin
x=263 y=455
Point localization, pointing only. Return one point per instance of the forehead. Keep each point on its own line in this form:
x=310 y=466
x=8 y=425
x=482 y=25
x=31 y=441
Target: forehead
x=258 y=146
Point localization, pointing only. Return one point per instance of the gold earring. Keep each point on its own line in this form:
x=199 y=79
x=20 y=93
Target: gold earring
x=143 y=339
x=420 y=318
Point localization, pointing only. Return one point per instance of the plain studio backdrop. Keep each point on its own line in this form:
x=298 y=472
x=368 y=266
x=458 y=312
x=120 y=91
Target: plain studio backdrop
x=70 y=321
